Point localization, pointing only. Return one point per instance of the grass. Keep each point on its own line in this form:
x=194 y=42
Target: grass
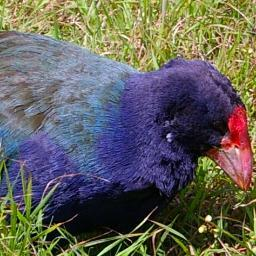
x=146 y=34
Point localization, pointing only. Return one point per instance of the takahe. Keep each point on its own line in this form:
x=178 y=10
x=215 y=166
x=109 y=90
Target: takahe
x=118 y=142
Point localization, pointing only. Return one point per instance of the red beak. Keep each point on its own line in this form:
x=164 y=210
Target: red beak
x=235 y=154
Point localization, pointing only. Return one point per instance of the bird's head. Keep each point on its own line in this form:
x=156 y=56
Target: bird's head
x=204 y=114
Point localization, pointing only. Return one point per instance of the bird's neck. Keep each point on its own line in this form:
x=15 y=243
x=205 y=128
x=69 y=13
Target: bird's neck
x=134 y=149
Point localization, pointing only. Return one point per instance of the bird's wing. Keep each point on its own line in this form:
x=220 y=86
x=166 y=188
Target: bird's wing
x=57 y=89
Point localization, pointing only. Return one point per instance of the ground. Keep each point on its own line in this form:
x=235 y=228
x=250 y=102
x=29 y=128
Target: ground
x=145 y=34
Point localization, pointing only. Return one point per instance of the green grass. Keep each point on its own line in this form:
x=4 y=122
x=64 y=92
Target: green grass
x=146 y=34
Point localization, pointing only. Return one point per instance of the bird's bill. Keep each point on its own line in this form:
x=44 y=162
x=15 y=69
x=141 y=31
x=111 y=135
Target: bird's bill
x=236 y=163
x=235 y=154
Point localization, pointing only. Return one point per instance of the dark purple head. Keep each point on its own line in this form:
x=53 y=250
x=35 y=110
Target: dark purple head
x=194 y=109
x=199 y=101
x=208 y=117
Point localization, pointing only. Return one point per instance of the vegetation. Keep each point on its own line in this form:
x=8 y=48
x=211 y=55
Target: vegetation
x=211 y=216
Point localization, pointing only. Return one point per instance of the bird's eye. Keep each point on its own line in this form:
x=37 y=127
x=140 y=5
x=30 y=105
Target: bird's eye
x=220 y=127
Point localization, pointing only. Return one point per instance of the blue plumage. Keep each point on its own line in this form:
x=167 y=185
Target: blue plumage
x=118 y=142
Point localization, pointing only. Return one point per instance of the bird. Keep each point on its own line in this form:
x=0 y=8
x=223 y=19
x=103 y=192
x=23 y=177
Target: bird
x=115 y=143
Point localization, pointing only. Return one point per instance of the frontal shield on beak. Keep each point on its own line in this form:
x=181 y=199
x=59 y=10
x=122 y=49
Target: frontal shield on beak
x=235 y=154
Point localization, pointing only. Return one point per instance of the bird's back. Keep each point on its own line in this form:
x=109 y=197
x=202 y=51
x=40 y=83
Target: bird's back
x=56 y=89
